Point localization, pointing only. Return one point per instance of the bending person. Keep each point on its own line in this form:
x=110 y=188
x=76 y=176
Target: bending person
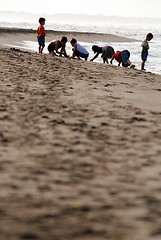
x=122 y=57
x=106 y=51
x=55 y=45
x=78 y=50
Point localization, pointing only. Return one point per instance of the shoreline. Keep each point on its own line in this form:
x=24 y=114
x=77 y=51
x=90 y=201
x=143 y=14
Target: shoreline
x=20 y=38
x=12 y=35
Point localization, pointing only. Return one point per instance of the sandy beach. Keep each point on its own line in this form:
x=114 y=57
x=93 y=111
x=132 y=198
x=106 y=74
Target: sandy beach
x=80 y=147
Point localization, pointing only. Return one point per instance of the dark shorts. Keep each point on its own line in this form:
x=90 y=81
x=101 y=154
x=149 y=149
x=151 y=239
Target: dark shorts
x=41 y=41
x=144 y=55
x=51 y=48
x=82 y=55
x=125 y=54
x=108 y=52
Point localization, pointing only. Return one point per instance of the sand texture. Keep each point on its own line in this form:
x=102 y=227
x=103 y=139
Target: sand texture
x=80 y=150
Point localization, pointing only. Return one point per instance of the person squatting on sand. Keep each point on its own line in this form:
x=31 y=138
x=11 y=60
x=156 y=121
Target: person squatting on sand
x=145 y=48
x=106 y=51
x=41 y=34
x=78 y=50
x=55 y=45
x=122 y=57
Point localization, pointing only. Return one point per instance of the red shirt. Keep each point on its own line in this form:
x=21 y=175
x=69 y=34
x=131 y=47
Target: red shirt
x=41 y=31
x=117 y=56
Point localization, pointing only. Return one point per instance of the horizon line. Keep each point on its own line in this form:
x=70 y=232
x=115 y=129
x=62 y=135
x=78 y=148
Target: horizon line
x=81 y=14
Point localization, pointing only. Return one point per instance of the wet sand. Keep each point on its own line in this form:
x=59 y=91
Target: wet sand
x=13 y=36
x=80 y=147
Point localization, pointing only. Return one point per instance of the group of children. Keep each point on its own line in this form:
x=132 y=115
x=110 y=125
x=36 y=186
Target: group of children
x=58 y=47
x=78 y=50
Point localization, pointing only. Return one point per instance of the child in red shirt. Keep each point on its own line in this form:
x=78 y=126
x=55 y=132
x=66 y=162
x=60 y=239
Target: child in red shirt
x=117 y=57
x=122 y=57
x=41 y=34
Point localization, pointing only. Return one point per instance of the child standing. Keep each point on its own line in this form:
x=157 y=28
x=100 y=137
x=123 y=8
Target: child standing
x=145 y=48
x=78 y=50
x=41 y=34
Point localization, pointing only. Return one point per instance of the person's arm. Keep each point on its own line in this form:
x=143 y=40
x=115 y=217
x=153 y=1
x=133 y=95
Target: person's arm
x=145 y=45
x=112 y=60
x=74 y=51
x=63 y=51
x=96 y=55
x=57 y=47
x=38 y=35
x=40 y=31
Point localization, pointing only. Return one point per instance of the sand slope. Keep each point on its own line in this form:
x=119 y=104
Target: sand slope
x=80 y=146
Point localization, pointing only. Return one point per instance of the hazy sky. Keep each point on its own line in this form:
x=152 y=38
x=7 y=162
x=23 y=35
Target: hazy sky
x=129 y=8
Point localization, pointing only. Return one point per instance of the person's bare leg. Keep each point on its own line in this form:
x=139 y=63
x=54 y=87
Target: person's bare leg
x=143 y=66
x=107 y=60
x=104 y=60
x=41 y=50
x=130 y=64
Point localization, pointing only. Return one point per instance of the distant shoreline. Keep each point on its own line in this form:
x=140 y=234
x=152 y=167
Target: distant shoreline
x=82 y=36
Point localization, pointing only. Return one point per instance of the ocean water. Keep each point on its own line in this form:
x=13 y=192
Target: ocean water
x=127 y=30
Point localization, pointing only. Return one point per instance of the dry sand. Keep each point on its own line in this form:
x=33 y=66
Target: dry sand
x=80 y=147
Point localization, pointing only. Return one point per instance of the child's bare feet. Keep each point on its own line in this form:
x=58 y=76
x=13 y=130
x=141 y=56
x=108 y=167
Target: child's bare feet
x=132 y=66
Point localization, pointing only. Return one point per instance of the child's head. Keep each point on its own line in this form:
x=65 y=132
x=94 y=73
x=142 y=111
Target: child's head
x=149 y=36
x=42 y=21
x=95 y=48
x=73 y=41
x=64 y=39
